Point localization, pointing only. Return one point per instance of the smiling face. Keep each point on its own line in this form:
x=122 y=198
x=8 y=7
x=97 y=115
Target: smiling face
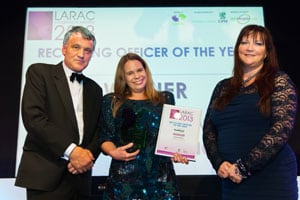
x=135 y=77
x=78 y=52
x=252 y=52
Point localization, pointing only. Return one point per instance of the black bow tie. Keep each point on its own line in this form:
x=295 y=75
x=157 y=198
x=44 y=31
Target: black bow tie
x=79 y=77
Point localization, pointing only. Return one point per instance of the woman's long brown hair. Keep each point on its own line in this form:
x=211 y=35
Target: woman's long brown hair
x=265 y=79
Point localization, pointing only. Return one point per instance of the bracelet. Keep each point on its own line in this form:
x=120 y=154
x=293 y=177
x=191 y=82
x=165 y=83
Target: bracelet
x=241 y=169
x=238 y=172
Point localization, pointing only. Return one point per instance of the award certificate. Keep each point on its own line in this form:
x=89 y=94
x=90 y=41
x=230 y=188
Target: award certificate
x=179 y=131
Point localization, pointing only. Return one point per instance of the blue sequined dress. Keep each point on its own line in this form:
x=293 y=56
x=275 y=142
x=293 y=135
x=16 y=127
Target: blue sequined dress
x=241 y=131
x=149 y=176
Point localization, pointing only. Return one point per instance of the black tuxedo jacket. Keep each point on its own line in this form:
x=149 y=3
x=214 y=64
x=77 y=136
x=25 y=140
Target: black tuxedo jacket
x=49 y=118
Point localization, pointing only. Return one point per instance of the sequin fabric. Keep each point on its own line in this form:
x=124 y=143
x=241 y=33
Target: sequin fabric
x=150 y=176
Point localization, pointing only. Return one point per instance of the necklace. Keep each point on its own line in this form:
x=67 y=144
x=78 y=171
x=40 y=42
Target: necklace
x=249 y=78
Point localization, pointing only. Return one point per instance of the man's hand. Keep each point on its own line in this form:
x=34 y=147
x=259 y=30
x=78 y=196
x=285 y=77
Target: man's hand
x=81 y=160
x=71 y=169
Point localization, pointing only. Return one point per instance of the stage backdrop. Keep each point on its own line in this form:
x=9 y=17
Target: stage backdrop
x=188 y=49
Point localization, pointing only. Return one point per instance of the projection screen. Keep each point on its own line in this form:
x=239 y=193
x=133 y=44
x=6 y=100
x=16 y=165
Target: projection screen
x=188 y=49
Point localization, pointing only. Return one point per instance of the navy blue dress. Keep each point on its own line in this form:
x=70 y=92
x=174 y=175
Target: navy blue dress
x=241 y=131
x=149 y=176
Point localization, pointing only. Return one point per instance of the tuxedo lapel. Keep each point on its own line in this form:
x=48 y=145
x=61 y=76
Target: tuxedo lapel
x=64 y=91
x=87 y=106
x=90 y=102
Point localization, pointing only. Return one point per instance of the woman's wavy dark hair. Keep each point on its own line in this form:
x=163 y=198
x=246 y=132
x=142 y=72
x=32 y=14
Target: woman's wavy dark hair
x=263 y=81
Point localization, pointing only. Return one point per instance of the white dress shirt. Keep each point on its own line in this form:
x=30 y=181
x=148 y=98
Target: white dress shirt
x=76 y=90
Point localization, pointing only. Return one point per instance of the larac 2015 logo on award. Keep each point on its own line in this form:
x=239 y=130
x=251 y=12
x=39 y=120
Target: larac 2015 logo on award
x=175 y=114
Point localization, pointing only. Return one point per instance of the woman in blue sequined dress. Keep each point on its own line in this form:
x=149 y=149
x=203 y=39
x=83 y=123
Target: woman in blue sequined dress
x=248 y=123
x=131 y=118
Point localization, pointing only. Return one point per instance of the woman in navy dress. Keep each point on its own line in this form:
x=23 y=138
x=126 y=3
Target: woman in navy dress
x=132 y=114
x=248 y=122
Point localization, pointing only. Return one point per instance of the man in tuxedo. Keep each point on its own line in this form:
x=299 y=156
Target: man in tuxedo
x=61 y=113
